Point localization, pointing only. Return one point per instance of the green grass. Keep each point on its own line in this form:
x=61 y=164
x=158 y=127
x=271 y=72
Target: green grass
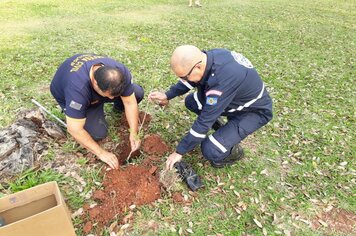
x=31 y=178
x=303 y=50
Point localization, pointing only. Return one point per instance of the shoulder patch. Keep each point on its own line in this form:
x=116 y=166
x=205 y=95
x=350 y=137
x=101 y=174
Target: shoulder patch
x=75 y=105
x=211 y=100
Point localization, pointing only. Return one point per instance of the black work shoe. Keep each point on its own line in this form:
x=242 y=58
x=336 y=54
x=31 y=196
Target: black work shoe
x=237 y=153
x=218 y=124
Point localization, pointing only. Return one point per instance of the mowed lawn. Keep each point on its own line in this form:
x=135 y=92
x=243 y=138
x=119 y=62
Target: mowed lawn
x=298 y=167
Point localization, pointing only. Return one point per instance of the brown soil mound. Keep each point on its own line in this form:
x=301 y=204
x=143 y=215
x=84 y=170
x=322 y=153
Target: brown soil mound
x=134 y=185
x=153 y=144
x=337 y=220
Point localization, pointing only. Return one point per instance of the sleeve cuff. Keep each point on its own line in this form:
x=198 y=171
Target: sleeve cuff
x=170 y=95
x=180 y=150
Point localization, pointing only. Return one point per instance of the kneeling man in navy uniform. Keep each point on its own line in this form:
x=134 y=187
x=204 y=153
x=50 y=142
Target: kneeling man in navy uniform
x=81 y=86
x=226 y=84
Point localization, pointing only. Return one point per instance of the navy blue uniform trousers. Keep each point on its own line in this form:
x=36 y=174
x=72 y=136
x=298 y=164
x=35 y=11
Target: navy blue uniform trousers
x=95 y=123
x=240 y=124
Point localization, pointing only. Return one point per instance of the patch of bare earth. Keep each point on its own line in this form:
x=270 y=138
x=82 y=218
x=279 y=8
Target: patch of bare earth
x=128 y=187
x=336 y=220
x=153 y=144
x=134 y=185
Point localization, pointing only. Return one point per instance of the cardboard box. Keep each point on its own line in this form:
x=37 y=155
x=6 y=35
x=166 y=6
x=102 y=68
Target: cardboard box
x=38 y=211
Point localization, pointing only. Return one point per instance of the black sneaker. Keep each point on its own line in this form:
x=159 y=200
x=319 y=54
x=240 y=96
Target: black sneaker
x=218 y=124
x=237 y=153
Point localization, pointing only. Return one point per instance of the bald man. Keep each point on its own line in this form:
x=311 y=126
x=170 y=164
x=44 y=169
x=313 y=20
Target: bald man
x=227 y=85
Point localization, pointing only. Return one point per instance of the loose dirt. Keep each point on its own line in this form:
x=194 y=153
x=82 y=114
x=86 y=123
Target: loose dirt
x=153 y=144
x=131 y=185
x=177 y=197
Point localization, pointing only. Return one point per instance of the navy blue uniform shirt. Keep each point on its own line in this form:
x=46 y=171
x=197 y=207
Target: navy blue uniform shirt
x=230 y=84
x=72 y=88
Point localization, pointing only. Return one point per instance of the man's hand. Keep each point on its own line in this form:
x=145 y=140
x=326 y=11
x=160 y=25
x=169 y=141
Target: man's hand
x=135 y=142
x=110 y=159
x=159 y=98
x=76 y=129
x=173 y=158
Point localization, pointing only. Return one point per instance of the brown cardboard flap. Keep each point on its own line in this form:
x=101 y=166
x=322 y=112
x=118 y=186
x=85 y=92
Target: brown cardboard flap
x=30 y=195
x=30 y=209
x=37 y=211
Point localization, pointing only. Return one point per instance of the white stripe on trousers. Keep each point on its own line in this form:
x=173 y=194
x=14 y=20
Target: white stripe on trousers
x=216 y=143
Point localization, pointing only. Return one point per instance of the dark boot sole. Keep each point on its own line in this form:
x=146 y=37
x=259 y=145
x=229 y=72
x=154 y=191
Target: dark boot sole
x=228 y=163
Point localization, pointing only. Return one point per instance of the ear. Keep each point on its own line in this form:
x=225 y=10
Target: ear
x=199 y=66
x=95 y=82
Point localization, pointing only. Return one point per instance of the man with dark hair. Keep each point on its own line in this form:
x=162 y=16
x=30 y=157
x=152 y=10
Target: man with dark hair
x=110 y=79
x=81 y=86
x=227 y=85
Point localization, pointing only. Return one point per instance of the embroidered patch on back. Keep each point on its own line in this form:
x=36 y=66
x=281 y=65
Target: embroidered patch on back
x=75 y=105
x=211 y=100
x=242 y=60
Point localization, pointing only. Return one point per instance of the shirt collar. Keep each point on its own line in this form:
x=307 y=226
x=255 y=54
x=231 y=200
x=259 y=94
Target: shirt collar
x=209 y=65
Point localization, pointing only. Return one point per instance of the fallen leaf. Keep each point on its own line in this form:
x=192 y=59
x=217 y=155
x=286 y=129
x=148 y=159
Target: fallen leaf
x=112 y=226
x=257 y=223
x=237 y=210
x=127 y=217
x=78 y=212
x=323 y=223
x=305 y=221
x=180 y=231
x=173 y=228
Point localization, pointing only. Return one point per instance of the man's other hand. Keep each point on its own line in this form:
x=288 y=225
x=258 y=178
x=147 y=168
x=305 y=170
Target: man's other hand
x=159 y=98
x=110 y=159
x=173 y=158
x=135 y=142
